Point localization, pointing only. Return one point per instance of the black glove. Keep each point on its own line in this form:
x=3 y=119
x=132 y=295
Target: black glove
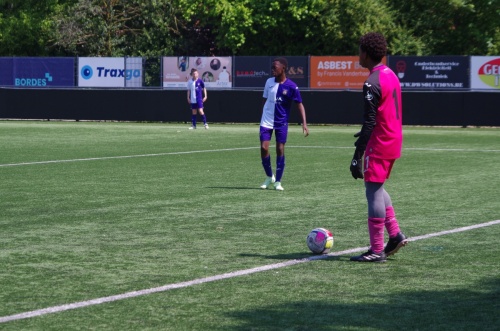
x=357 y=164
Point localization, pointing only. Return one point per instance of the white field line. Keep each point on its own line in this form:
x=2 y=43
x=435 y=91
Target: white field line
x=81 y=304
x=125 y=156
x=229 y=150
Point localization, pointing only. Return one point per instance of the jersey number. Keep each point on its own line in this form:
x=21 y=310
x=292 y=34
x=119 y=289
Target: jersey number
x=396 y=103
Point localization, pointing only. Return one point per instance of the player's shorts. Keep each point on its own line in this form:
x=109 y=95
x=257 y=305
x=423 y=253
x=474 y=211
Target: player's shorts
x=377 y=170
x=281 y=134
x=197 y=105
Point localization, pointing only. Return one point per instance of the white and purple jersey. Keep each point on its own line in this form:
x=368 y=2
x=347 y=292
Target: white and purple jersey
x=279 y=99
x=196 y=90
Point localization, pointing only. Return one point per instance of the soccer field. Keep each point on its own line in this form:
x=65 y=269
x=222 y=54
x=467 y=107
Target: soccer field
x=150 y=226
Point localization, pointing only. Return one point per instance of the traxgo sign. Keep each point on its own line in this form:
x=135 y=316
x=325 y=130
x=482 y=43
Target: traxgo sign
x=110 y=72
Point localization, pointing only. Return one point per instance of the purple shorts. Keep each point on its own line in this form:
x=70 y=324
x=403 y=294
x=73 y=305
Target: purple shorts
x=197 y=105
x=281 y=134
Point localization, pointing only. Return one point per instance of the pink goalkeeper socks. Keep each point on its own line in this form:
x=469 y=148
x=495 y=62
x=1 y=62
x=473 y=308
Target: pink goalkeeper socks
x=376 y=231
x=391 y=223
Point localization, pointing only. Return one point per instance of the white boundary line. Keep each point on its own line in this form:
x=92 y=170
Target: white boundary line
x=125 y=156
x=229 y=150
x=81 y=304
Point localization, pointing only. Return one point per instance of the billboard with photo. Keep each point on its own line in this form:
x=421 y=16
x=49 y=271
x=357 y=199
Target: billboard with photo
x=337 y=72
x=37 y=72
x=431 y=72
x=216 y=72
x=110 y=72
x=485 y=72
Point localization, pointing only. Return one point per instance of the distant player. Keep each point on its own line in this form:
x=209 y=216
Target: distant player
x=380 y=140
x=196 y=96
x=279 y=95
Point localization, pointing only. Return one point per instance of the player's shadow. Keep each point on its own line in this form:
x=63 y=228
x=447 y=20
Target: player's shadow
x=234 y=188
x=297 y=256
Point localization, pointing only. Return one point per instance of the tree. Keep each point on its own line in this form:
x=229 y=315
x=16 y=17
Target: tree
x=25 y=26
x=116 y=28
x=452 y=27
x=245 y=27
x=294 y=27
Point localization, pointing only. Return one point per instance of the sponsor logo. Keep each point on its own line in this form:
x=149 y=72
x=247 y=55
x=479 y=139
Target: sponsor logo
x=335 y=65
x=251 y=73
x=87 y=72
x=401 y=68
x=22 y=81
x=489 y=73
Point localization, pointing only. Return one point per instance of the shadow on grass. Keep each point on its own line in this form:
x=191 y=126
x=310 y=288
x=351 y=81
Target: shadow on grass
x=295 y=256
x=474 y=308
x=235 y=188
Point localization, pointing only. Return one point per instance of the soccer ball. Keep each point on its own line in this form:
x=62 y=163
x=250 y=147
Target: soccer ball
x=320 y=241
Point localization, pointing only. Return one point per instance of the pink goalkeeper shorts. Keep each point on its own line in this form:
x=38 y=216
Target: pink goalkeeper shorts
x=377 y=170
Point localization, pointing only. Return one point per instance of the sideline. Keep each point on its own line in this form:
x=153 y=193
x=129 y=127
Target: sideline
x=230 y=150
x=81 y=304
x=125 y=156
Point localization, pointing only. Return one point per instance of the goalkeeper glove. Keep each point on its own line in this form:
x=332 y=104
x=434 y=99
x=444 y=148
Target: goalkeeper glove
x=357 y=165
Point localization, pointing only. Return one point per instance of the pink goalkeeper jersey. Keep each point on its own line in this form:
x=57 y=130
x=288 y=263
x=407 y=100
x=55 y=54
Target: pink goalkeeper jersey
x=382 y=93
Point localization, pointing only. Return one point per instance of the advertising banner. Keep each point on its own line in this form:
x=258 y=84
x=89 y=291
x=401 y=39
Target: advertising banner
x=37 y=72
x=298 y=69
x=214 y=71
x=253 y=71
x=6 y=71
x=134 y=65
x=109 y=72
x=485 y=72
x=431 y=72
x=337 y=72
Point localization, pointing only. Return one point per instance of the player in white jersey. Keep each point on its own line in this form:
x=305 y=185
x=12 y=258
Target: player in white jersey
x=279 y=95
x=196 y=96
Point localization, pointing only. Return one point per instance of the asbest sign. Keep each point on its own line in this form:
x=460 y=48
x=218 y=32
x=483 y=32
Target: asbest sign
x=337 y=72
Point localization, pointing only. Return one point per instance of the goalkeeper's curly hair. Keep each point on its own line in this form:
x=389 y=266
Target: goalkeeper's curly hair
x=374 y=44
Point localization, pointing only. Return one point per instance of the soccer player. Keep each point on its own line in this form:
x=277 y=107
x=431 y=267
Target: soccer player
x=196 y=96
x=380 y=140
x=279 y=93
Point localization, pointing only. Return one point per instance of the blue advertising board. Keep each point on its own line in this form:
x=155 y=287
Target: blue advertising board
x=37 y=72
x=431 y=72
x=253 y=71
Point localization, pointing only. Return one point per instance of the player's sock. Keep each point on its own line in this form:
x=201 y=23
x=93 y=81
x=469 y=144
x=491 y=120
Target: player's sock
x=391 y=223
x=376 y=231
x=266 y=163
x=280 y=167
x=204 y=119
x=193 y=120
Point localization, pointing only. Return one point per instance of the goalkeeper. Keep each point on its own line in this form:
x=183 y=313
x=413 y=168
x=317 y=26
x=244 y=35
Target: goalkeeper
x=379 y=144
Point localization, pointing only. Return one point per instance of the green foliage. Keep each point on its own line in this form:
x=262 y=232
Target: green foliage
x=246 y=27
x=116 y=28
x=25 y=27
x=451 y=27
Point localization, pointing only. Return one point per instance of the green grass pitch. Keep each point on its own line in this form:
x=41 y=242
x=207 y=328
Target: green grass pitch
x=91 y=210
